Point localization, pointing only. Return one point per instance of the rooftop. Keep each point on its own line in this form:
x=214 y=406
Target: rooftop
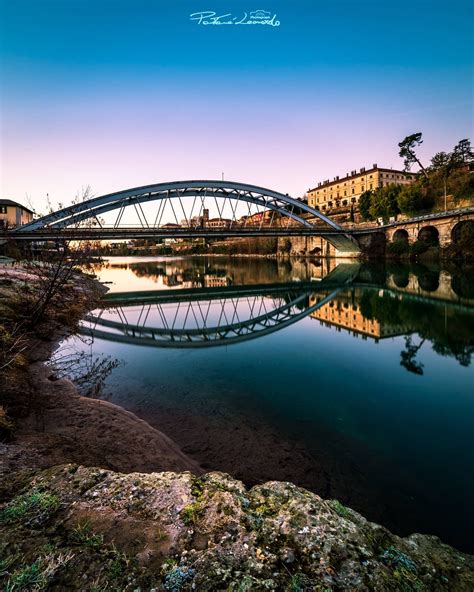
x=10 y=202
x=362 y=171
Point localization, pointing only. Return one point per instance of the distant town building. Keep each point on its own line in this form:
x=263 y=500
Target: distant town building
x=346 y=191
x=260 y=218
x=214 y=281
x=198 y=221
x=13 y=214
x=218 y=223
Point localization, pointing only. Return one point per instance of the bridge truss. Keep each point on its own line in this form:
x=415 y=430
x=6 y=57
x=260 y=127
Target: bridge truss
x=187 y=209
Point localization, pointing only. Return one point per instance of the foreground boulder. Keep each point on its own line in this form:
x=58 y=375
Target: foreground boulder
x=78 y=528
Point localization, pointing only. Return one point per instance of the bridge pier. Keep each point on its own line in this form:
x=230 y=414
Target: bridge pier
x=316 y=246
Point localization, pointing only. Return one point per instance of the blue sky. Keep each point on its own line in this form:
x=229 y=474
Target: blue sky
x=118 y=93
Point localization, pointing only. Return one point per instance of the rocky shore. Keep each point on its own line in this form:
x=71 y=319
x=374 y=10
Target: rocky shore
x=77 y=528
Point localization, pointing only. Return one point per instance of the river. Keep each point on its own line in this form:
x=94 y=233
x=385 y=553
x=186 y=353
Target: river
x=354 y=381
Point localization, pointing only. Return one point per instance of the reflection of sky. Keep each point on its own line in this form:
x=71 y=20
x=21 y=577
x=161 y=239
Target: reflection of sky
x=117 y=278
x=118 y=94
x=309 y=379
x=307 y=376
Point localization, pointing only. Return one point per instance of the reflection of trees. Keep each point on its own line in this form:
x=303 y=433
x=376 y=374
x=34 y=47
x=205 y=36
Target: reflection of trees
x=86 y=370
x=408 y=356
x=372 y=273
x=450 y=330
x=463 y=284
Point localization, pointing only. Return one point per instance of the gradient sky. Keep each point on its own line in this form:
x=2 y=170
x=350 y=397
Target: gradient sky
x=115 y=93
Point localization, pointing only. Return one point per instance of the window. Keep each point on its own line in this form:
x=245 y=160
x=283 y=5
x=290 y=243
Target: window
x=3 y=209
x=353 y=190
x=371 y=186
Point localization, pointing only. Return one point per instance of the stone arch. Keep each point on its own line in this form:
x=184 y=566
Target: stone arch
x=428 y=279
x=462 y=285
x=400 y=235
x=461 y=229
x=401 y=276
x=429 y=234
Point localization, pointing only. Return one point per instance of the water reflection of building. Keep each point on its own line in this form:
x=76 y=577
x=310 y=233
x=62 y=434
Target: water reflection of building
x=344 y=312
x=215 y=281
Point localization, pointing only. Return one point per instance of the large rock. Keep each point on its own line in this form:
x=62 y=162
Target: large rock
x=79 y=528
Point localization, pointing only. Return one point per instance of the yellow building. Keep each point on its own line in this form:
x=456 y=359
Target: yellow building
x=343 y=313
x=346 y=191
x=13 y=214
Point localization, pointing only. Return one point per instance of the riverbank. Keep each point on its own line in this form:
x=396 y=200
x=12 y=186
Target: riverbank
x=48 y=422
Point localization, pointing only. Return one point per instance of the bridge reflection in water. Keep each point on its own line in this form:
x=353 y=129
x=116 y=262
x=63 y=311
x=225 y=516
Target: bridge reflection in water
x=224 y=315
x=359 y=388
x=205 y=318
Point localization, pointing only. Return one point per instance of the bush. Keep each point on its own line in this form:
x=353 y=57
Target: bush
x=6 y=426
x=419 y=247
x=398 y=247
x=464 y=187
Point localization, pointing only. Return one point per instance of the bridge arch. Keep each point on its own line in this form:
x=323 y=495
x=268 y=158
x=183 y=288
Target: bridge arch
x=429 y=234
x=400 y=235
x=194 y=192
x=260 y=196
x=463 y=229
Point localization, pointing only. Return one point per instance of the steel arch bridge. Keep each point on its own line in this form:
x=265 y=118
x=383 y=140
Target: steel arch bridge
x=212 y=319
x=280 y=215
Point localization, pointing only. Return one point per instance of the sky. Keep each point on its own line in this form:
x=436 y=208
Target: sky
x=116 y=94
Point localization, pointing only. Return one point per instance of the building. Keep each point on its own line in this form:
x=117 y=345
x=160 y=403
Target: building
x=215 y=281
x=13 y=214
x=259 y=219
x=346 y=191
x=197 y=221
x=344 y=312
x=218 y=223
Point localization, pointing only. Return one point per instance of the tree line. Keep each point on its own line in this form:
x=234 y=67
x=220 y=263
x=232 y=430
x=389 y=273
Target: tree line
x=447 y=171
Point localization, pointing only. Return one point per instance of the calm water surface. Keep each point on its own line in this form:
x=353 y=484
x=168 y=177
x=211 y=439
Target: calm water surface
x=353 y=381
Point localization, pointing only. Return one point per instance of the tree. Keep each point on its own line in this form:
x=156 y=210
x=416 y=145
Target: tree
x=407 y=152
x=365 y=202
x=463 y=152
x=410 y=200
x=440 y=160
x=384 y=202
x=445 y=164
